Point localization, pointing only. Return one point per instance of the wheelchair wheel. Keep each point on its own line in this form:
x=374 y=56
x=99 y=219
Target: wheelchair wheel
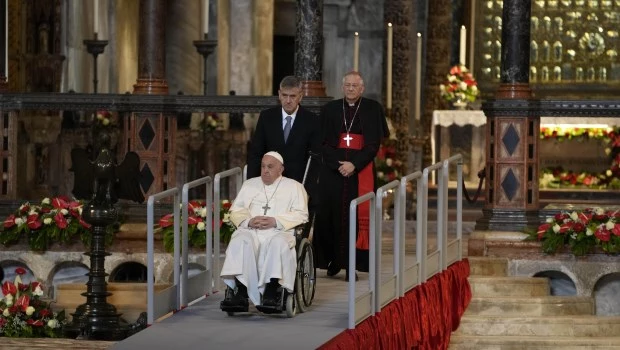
x=290 y=306
x=305 y=283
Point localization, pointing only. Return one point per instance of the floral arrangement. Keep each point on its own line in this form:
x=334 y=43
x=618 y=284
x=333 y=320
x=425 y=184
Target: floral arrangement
x=581 y=231
x=558 y=177
x=104 y=119
x=54 y=220
x=460 y=85
x=24 y=314
x=196 y=225
x=387 y=167
x=205 y=122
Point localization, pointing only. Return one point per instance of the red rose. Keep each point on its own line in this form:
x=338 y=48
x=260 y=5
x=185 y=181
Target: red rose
x=602 y=233
x=227 y=205
x=24 y=209
x=579 y=227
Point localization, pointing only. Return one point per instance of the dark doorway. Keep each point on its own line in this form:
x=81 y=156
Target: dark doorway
x=283 y=59
x=129 y=272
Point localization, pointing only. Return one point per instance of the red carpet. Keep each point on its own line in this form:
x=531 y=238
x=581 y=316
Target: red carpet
x=423 y=319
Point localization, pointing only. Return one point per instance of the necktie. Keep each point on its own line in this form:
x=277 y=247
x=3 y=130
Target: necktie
x=287 y=127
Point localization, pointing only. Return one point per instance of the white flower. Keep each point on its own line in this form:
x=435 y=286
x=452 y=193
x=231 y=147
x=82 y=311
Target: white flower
x=608 y=172
x=32 y=211
x=380 y=174
x=574 y=216
x=226 y=218
x=38 y=291
x=388 y=161
x=225 y=201
x=53 y=323
x=573 y=236
x=549 y=220
x=599 y=211
x=80 y=210
x=64 y=211
x=21 y=207
x=9 y=298
x=556 y=228
x=197 y=210
x=201 y=226
x=29 y=310
x=589 y=232
x=452 y=78
x=463 y=86
x=442 y=87
x=203 y=212
x=47 y=221
x=19 y=221
x=6 y=313
x=105 y=121
x=609 y=225
x=45 y=200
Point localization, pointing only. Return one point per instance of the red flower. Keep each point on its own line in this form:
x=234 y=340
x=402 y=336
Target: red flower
x=9 y=288
x=602 y=233
x=10 y=221
x=542 y=229
x=227 y=205
x=61 y=222
x=20 y=271
x=23 y=302
x=616 y=229
x=37 y=323
x=59 y=203
x=566 y=227
x=24 y=209
x=193 y=220
x=34 y=285
x=45 y=313
x=579 y=227
x=166 y=220
x=33 y=222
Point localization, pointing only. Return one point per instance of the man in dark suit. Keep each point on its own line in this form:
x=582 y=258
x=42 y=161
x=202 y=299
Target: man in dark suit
x=290 y=130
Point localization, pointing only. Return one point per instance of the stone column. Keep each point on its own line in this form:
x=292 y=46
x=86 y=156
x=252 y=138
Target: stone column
x=512 y=129
x=308 y=46
x=152 y=135
x=151 y=54
x=437 y=62
x=263 y=32
x=183 y=63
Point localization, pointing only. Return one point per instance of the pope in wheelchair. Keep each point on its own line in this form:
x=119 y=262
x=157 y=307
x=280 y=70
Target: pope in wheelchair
x=260 y=262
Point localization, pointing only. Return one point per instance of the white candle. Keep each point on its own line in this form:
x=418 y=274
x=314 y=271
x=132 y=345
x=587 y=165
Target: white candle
x=205 y=16
x=462 y=46
x=418 y=77
x=389 y=68
x=356 y=51
x=96 y=18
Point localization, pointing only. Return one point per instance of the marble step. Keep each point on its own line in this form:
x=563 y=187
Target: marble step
x=464 y=342
x=552 y=326
x=497 y=286
x=485 y=266
x=531 y=306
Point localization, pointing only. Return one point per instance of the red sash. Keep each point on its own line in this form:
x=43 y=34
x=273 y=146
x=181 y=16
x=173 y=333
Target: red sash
x=365 y=184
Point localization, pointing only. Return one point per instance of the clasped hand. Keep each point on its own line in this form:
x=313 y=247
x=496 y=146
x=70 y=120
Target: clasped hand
x=346 y=169
x=262 y=222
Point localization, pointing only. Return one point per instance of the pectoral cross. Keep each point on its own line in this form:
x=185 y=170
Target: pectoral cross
x=348 y=138
x=266 y=207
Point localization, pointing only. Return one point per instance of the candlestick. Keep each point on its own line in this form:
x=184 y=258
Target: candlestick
x=205 y=17
x=389 y=68
x=356 y=51
x=463 y=45
x=95 y=48
x=96 y=17
x=418 y=77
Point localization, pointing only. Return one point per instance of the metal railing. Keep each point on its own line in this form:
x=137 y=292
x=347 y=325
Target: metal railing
x=166 y=300
x=191 y=288
x=237 y=173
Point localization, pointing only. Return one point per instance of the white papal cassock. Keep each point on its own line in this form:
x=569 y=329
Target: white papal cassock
x=255 y=256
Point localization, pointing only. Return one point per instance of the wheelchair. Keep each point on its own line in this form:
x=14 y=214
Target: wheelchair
x=305 y=276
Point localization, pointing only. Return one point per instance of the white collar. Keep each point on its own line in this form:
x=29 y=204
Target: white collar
x=293 y=115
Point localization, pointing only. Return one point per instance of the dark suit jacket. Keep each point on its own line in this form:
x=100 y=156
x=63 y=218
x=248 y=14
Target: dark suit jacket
x=269 y=136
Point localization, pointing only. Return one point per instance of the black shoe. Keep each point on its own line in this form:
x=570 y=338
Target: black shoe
x=235 y=301
x=332 y=269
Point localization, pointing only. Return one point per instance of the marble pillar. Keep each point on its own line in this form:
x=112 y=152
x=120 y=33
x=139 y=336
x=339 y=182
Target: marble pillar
x=241 y=62
x=151 y=52
x=437 y=63
x=124 y=48
x=512 y=129
x=263 y=37
x=400 y=14
x=183 y=63
x=309 y=46
x=223 y=46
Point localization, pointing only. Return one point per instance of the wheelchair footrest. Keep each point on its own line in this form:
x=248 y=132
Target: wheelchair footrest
x=233 y=308
x=269 y=309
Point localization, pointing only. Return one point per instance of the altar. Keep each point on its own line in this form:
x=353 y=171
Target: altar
x=443 y=119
